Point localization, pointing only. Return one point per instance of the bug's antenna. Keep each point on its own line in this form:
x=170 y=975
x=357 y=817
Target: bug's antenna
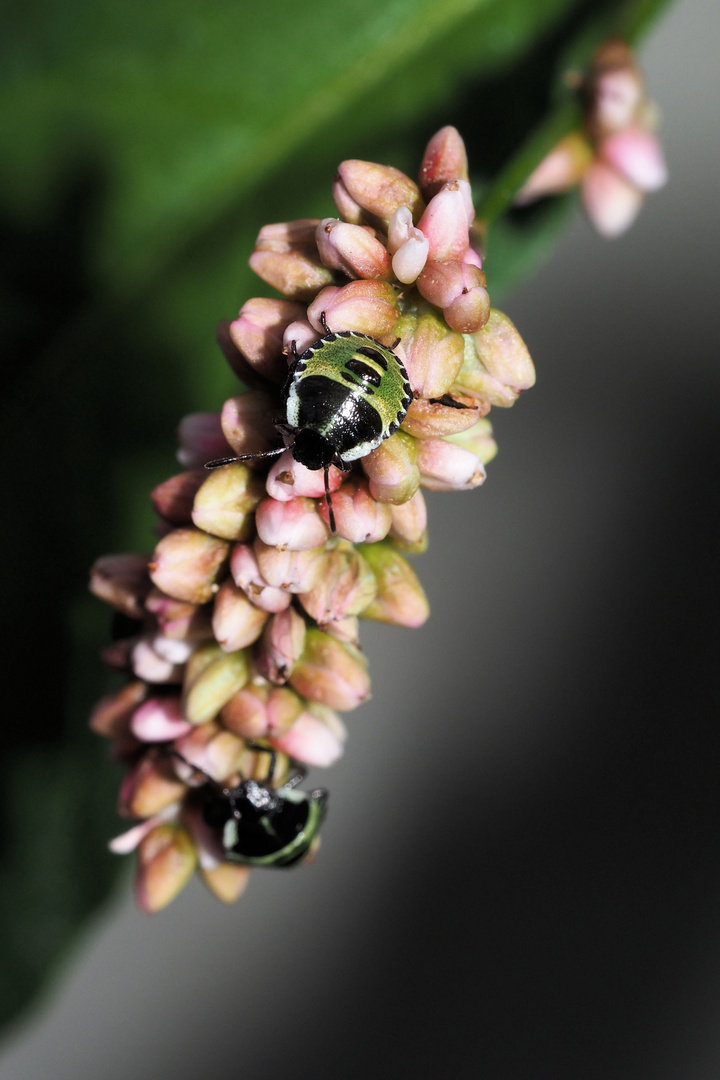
x=328 y=500
x=217 y=462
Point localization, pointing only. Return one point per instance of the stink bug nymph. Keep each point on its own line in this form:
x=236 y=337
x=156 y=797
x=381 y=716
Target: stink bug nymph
x=260 y=824
x=343 y=396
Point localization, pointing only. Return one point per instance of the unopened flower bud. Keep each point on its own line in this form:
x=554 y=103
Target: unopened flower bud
x=298 y=337
x=212 y=749
x=407 y=245
x=226 y=881
x=316 y=738
x=293 y=571
x=358 y=517
x=637 y=155
x=445 y=160
x=409 y=524
x=611 y=202
x=400 y=598
x=283 y=708
x=331 y=672
x=160 y=719
x=178 y=619
x=446 y=221
x=478 y=440
x=200 y=439
x=289 y=479
x=433 y=419
x=245 y=714
x=149 y=787
x=282 y=644
x=365 y=307
x=346 y=585
x=444 y=466
x=379 y=189
x=258 y=334
x=187 y=563
x=247 y=422
x=348 y=209
x=211 y=678
x=391 y=469
x=154 y=665
x=112 y=715
x=123 y=581
x=173 y=499
x=295 y=524
x=561 y=170
x=352 y=249
x=459 y=289
x=236 y=622
x=166 y=862
x=614 y=89
x=347 y=629
x=503 y=353
x=246 y=575
x=297 y=272
x=432 y=354
x=225 y=504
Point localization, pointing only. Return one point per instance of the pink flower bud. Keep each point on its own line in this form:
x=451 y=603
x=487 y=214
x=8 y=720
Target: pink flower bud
x=186 y=564
x=236 y=622
x=166 y=862
x=282 y=644
x=442 y=416
x=288 y=479
x=445 y=221
x=212 y=749
x=201 y=439
x=246 y=575
x=469 y=310
x=346 y=586
x=283 y=708
x=409 y=523
x=247 y=422
x=379 y=189
x=447 y=467
x=293 y=571
x=617 y=93
x=298 y=273
x=478 y=440
x=177 y=618
x=123 y=581
x=391 y=469
x=347 y=629
x=173 y=499
x=400 y=599
x=284 y=235
x=366 y=307
x=226 y=881
x=150 y=787
x=352 y=249
x=331 y=672
x=302 y=334
x=226 y=502
x=258 y=334
x=503 y=353
x=160 y=719
x=637 y=155
x=246 y=714
x=348 y=209
x=112 y=715
x=295 y=524
x=407 y=245
x=611 y=202
x=432 y=353
x=154 y=665
x=358 y=516
x=562 y=169
x=445 y=160
x=442 y=282
x=211 y=678
x=316 y=738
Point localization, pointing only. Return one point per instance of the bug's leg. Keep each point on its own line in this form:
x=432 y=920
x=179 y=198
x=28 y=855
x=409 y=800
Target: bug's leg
x=328 y=500
x=395 y=343
x=323 y=322
x=217 y=462
x=296 y=779
x=178 y=755
x=293 y=349
x=273 y=758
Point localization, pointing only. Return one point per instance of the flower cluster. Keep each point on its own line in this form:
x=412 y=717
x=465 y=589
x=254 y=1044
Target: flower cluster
x=617 y=158
x=241 y=629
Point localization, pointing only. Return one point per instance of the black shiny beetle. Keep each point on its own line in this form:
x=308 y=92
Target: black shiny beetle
x=261 y=825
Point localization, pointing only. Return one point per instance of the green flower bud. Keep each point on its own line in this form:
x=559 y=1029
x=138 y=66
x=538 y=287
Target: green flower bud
x=211 y=678
x=225 y=503
x=400 y=599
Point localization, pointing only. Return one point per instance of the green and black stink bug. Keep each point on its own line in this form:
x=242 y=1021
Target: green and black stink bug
x=343 y=396
x=259 y=824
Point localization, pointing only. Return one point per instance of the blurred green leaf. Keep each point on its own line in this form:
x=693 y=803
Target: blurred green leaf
x=143 y=145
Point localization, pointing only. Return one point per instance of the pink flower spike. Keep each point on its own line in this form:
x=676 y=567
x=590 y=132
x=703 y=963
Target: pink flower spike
x=315 y=740
x=159 y=719
x=201 y=439
x=445 y=222
x=637 y=155
x=611 y=202
x=445 y=159
x=288 y=479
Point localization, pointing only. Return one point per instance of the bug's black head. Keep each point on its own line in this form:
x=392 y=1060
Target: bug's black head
x=312 y=449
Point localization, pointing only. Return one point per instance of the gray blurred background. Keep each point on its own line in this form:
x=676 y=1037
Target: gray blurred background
x=520 y=872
